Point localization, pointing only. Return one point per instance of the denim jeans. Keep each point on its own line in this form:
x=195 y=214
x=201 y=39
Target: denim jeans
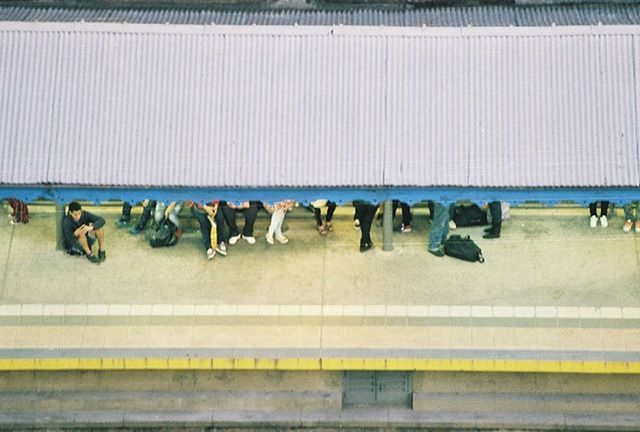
x=631 y=210
x=439 y=226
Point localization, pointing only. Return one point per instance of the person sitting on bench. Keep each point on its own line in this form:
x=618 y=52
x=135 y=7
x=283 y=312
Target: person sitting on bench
x=81 y=229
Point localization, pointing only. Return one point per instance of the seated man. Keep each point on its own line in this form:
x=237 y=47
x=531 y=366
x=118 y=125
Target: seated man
x=80 y=229
x=211 y=222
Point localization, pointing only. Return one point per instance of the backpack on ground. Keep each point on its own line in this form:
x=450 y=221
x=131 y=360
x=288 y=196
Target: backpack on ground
x=165 y=235
x=469 y=215
x=463 y=248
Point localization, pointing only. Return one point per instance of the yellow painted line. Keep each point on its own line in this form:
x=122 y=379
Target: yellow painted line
x=326 y=364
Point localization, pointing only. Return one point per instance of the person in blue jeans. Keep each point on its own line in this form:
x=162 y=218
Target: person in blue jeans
x=439 y=229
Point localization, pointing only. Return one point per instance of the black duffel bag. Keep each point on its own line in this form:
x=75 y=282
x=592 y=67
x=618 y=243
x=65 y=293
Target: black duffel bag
x=463 y=248
x=469 y=215
x=165 y=235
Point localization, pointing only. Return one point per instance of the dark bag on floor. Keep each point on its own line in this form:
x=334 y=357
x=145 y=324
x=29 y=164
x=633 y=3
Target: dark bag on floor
x=463 y=248
x=165 y=235
x=469 y=215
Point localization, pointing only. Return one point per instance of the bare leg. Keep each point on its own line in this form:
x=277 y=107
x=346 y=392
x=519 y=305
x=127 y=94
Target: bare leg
x=82 y=239
x=99 y=233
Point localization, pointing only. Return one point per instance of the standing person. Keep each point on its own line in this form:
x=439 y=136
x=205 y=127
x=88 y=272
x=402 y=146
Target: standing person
x=327 y=226
x=250 y=211
x=493 y=231
x=211 y=221
x=406 y=215
x=278 y=211
x=604 y=209
x=80 y=229
x=439 y=229
x=631 y=212
x=365 y=213
x=19 y=211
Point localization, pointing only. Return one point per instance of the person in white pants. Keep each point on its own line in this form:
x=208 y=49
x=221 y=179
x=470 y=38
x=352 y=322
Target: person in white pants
x=278 y=212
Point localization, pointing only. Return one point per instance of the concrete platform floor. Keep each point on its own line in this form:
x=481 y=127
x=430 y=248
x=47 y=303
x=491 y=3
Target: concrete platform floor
x=552 y=289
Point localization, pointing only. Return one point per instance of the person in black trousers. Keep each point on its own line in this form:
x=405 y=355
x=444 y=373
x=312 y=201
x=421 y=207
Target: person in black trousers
x=365 y=212
x=250 y=211
x=496 y=221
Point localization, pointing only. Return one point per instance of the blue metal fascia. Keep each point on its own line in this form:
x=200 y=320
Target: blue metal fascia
x=547 y=196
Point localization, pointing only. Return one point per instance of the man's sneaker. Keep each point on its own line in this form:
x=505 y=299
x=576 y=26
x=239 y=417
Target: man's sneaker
x=491 y=235
x=593 y=221
x=604 y=221
x=356 y=223
x=282 y=239
x=94 y=259
x=222 y=249
x=406 y=229
x=365 y=247
x=210 y=254
x=249 y=239
x=135 y=230
x=627 y=225
x=102 y=255
x=452 y=225
x=234 y=239
x=269 y=237
x=121 y=223
x=436 y=252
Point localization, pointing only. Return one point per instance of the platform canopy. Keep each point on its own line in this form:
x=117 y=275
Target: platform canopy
x=116 y=109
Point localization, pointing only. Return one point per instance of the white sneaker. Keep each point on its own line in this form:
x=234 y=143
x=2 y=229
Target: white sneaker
x=269 y=238
x=604 y=221
x=282 y=239
x=222 y=249
x=452 y=225
x=627 y=226
x=593 y=221
x=233 y=240
x=210 y=254
x=251 y=240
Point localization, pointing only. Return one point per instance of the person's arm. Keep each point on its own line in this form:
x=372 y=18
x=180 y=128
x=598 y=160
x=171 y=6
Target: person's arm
x=93 y=221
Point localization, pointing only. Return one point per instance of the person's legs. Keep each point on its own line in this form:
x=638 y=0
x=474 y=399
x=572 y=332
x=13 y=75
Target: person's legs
x=205 y=227
x=158 y=214
x=146 y=215
x=126 y=215
x=406 y=214
x=223 y=234
x=84 y=243
x=366 y=213
x=331 y=207
x=604 y=208
x=592 y=209
x=496 y=220
x=439 y=226
x=173 y=215
x=230 y=219
x=250 y=215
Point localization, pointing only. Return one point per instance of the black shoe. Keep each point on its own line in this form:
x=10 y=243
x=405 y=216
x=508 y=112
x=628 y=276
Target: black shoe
x=488 y=229
x=102 y=255
x=436 y=252
x=491 y=235
x=365 y=247
x=94 y=259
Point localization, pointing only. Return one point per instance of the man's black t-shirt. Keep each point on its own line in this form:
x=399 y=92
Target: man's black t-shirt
x=69 y=226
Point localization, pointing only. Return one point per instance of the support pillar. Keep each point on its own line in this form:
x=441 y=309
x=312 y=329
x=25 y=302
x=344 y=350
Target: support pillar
x=387 y=226
x=59 y=234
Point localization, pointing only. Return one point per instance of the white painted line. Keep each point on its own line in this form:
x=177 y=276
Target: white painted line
x=310 y=310
x=481 y=311
x=589 y=312
x=205 y=310
x=461 y=311
x=75 y=310
x=247 y=310
x=568 y=312
x=227 y=310
x=333 y=310
x=10 y=310
x=546 y=312
x=119 y=310
x=53 y=310
x=184 y=310
x=418 y=311
x=374 y=310
x=396 y=310
x=503 y=311
x=439 y=311
x=525 y=312
x=97 y=309
x=611 y=313
x=631 y=312
x=268 y=310
x=31 y=310
x=140 y=310
x=162 y=310
x=290 y=310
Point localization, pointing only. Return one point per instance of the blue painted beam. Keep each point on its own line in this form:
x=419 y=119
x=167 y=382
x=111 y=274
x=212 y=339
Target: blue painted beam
x=547 y=196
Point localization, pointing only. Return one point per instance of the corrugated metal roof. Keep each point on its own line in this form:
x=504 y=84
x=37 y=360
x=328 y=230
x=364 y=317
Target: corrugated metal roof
x=451 y=16
x=213 y=106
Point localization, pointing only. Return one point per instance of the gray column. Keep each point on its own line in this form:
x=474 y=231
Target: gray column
x=59 y=235
x=387 y=226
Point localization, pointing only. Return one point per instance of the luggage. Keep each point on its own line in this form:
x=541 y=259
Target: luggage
x=165 y=235
x=463 y=248
x=469 y=215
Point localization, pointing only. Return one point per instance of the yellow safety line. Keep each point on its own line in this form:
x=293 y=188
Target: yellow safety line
x=326 y=364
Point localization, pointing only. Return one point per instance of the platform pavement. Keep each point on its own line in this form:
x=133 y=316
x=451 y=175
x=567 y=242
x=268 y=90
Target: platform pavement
x=552 y=295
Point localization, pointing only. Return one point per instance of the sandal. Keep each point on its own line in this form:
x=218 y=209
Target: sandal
x=322 y=230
